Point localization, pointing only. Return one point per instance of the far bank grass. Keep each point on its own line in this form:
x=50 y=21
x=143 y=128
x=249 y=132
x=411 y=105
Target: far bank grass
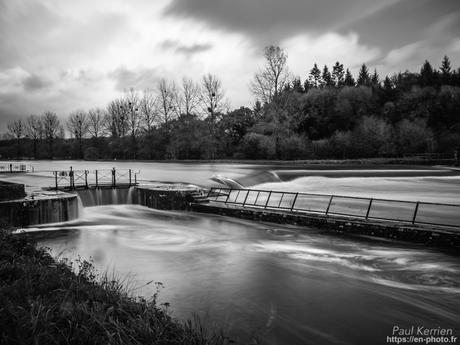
x=42 y=301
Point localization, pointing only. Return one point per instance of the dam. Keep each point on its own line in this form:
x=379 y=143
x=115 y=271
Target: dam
x=271 y=280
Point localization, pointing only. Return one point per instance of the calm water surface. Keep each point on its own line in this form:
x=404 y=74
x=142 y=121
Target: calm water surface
x=279 y=284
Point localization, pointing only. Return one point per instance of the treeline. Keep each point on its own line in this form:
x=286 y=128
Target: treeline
x=329 y=114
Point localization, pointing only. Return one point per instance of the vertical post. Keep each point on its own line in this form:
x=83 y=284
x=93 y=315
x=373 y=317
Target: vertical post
x=96 y=179
x=56 y=179
x=281 y=200
x=268 y=199
x=209 y=192
x=246 y=198
x=329 y=205
x=114 y=180
x=86 y=179
x=369 y=208
x=415 y=212
x=257 y=197
x=130 y=177
x=135 y=179
x=71 y=181
x=293 y=202
x=11 y=168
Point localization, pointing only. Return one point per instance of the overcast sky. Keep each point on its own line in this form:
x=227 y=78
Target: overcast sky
x=64 y=55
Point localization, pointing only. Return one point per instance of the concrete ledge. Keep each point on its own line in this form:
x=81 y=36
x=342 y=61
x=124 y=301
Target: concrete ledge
x=443 y=237
x=166 y=196
x=41 y=208
x=11 y=191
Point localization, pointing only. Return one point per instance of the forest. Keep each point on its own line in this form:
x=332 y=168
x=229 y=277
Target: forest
x=329 y=113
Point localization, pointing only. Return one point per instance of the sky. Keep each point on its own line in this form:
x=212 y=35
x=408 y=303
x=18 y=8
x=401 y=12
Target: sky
x=64 y=55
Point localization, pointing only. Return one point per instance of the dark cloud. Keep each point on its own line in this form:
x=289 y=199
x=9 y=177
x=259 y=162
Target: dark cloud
x=186 y=49
x=405 y=22
x=269 y=21
x=35 y=82
x=139 y=79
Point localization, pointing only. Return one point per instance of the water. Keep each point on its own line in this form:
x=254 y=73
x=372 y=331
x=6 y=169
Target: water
x=280 y=284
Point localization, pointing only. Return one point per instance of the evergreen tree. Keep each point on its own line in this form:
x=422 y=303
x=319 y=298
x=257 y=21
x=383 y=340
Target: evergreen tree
x=349 y=80
x=427 y=75
x=315 y=76
x=338 y=75
x=297 y=85
x=446 y=70
x=375 y=79
x=327 y=78
x=363 y=77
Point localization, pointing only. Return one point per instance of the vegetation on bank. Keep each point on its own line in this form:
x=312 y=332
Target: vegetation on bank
x=324 y=114
x=43 y=301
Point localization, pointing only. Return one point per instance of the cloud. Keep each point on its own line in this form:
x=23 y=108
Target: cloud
x=35 y=82
x=140 y=79
x=404 y=22
x=188 y=50
x=271 y=21
x=438 y=40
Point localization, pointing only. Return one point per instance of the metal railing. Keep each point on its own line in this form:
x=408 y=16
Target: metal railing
x=349 y=206
x=73 y=179
x=14 y=167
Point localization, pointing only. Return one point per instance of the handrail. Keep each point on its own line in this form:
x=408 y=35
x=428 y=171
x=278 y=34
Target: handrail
x=413 y=212
x=72 y=179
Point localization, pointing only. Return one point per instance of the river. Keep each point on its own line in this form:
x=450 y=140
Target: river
x=280 y=284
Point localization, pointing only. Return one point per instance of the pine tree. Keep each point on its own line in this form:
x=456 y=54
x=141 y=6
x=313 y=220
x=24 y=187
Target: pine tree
x=446 y=70
x=327 y=78
x=297 y=85
x=349 y=80
x=315 y=76
x=363 y=78
x=427 y=75
x=375 y=79
x=338 y=74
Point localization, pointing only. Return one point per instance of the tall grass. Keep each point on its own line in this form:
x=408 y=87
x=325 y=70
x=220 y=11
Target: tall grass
x=45 y=301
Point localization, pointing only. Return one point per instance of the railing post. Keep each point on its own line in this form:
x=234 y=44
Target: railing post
x=293 y=202
x=71 y=181
x=135 y=179
x=369 y=208
x=86 y=179
x=257 y=198
x=281 y=200
x=56 y=179
x=96 y=179
x=114 y=180
x=329 y=205
x=11 y=168
x=130 y=177
x=209 y=192
x=415 y=212
x=268 y=199
x=246 y=198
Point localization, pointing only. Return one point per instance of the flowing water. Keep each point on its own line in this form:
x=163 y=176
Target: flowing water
x=280 y=284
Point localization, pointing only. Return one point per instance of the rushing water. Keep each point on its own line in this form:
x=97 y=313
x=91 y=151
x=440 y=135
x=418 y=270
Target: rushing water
x=280 y=284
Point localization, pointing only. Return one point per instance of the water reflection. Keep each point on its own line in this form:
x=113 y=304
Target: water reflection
x=282 y=284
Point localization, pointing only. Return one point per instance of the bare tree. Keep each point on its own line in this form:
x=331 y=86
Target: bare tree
x=16 y=129
x=78 y=126
x=96 y=122
x=167 y=101
x=34 y=130
x=270 y=81
x=117 y=119
x=131 y=105
x=51 y=129
x=189 y=96
x=214 y=103
x=148 y=110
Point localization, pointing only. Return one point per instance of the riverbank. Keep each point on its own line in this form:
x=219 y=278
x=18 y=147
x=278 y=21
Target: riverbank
x=49 y=301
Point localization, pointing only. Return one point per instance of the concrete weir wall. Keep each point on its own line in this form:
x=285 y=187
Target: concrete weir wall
x=397 y=231
x=41 y=209
x=163 y=196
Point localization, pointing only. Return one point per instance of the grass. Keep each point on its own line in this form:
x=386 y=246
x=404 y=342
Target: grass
x=45 y=301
